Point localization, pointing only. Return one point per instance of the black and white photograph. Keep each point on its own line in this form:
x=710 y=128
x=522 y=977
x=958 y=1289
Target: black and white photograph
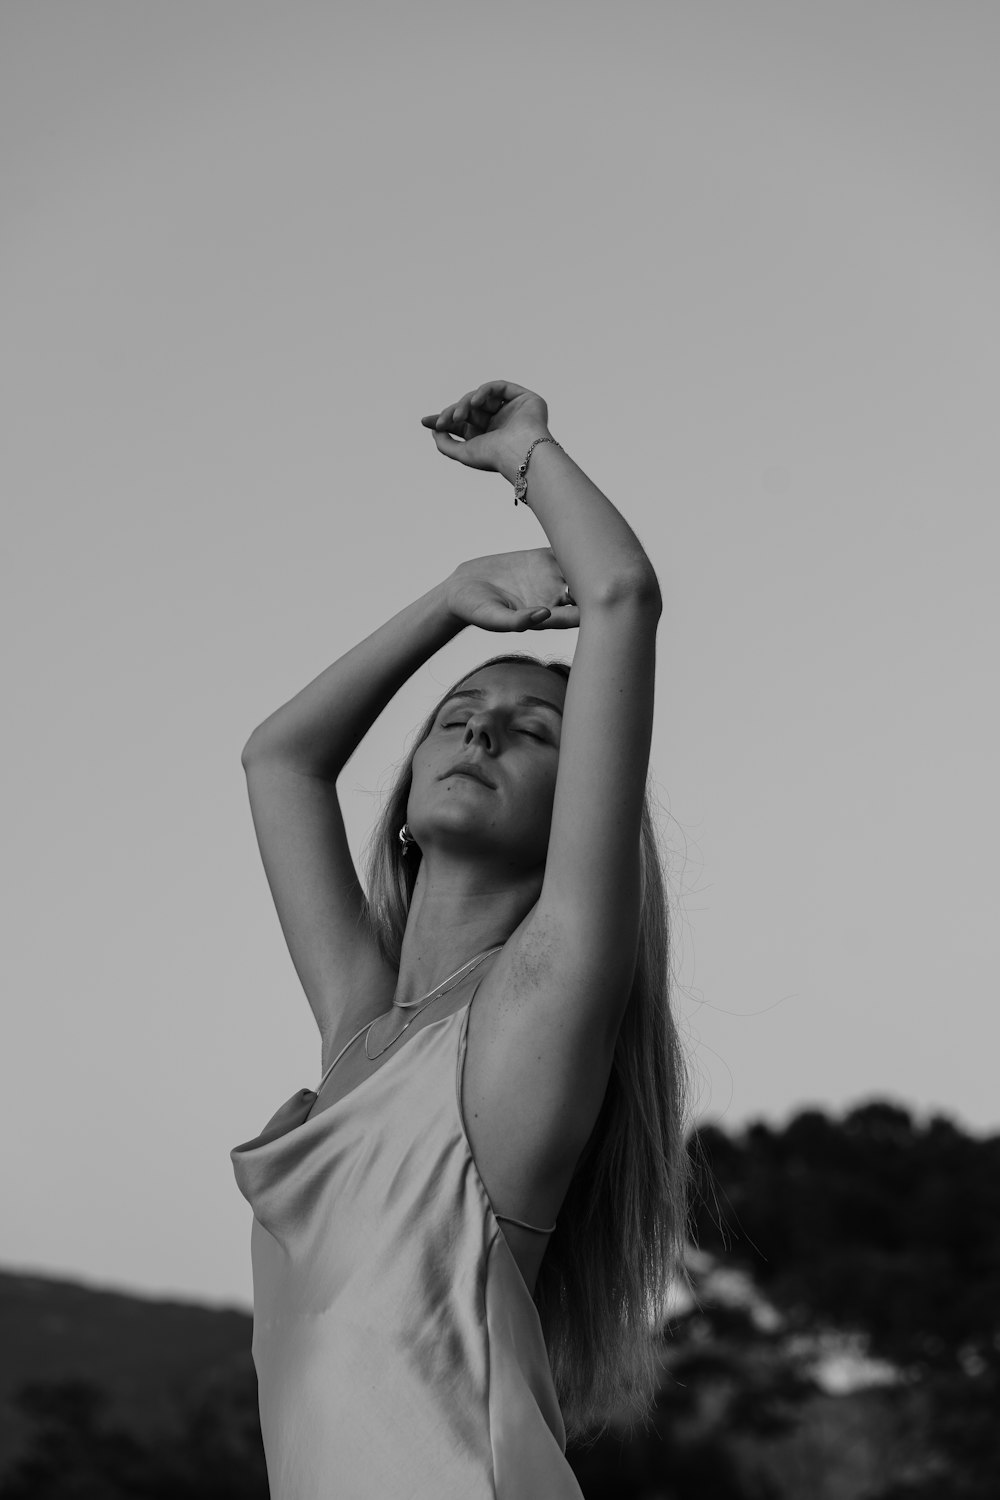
x=500 y=636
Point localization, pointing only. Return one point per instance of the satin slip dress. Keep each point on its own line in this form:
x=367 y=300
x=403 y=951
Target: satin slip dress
x=399 y=1353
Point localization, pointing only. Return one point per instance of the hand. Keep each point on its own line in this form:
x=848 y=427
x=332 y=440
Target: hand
x=512 y=591
x=496 y=423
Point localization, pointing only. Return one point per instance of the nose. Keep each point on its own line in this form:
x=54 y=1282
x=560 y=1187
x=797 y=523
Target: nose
x=478 y=732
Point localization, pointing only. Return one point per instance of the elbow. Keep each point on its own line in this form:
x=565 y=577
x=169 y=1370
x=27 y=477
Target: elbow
x=265 y=742
x=636 y=587
x=252 y=749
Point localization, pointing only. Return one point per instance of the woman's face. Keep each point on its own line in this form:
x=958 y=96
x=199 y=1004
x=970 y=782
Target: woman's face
x=485 y=776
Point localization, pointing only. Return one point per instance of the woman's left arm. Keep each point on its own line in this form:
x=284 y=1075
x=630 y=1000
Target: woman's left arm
x=578 y=947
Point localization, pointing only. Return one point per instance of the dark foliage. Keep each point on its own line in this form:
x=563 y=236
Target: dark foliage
x=875 y=1223
x=883 y=1225
x=213 y=1454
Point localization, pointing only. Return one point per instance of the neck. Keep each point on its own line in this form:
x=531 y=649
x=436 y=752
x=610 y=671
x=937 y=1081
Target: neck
x=457 y=912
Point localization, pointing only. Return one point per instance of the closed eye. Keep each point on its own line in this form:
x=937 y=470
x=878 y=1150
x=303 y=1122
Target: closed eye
x=541 y=736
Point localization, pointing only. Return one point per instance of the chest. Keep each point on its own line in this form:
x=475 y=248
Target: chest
x=373 y=1048
x=508 y=1159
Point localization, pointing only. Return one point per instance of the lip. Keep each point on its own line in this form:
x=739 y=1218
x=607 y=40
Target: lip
x=467 y=768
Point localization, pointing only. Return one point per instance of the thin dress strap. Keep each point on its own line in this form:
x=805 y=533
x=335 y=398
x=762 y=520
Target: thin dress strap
x=463 y=1048
x=506 y=1219
x=340 y=1054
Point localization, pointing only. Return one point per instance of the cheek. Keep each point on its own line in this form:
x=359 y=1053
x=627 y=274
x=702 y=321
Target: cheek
x=420 y=767
x=540 y=797
x=418 y=781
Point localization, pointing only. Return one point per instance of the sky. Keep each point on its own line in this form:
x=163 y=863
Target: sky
x=748 y=255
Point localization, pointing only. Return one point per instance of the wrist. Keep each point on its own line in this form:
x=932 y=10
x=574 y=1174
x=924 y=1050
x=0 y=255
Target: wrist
x=516 y=446
x=445 y=600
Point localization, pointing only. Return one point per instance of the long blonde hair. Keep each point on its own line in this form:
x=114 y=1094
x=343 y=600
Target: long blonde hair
x=617 y=1248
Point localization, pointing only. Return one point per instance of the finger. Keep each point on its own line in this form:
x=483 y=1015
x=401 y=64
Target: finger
x=476 y=417
x=449 y=422
x=492 y=394
x=477 y=424
x=487 y=398
x=449 y=446
x=500 y=390
x=477 y=408
x=466 y=422
x=459 y=425
x=479 y=416
x=566 y=617
x=464 y=451
x=496 y=617
x=437 y=418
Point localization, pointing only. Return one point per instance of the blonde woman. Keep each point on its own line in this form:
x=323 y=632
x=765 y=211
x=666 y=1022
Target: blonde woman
x=463 y=1237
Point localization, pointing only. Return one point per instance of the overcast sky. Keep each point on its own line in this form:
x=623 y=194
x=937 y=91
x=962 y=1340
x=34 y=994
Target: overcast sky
x=748 y=253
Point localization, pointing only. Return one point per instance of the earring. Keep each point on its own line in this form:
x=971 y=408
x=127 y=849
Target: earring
x=406 y=839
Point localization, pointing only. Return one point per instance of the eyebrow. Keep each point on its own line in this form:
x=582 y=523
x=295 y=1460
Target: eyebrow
x=526 y=700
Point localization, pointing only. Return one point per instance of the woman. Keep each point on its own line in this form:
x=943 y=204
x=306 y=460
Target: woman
x=463 y=1237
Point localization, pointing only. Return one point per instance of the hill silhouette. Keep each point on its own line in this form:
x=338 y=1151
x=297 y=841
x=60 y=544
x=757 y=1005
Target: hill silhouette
x=81 y=1360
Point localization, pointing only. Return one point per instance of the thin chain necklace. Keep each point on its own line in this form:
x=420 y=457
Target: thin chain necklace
x=432 y=995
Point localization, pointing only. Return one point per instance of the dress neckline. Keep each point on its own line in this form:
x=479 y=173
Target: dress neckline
x=427 y=1026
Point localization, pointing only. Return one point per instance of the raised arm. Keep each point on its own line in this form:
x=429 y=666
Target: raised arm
x=293 y=759
x=572 y=964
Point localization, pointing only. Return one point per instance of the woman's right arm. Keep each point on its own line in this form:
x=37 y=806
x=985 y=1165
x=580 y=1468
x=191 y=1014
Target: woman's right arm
x=292 y=761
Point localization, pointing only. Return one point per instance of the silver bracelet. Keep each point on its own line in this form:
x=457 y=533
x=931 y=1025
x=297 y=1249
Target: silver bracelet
x=521 y=482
